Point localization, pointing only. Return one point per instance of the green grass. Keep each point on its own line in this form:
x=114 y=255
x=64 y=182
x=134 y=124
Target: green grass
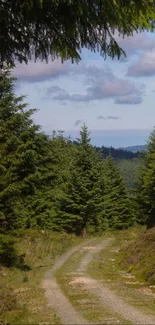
x=28 y=303
x=111 y=267
x=22 y=299
x=139 y=257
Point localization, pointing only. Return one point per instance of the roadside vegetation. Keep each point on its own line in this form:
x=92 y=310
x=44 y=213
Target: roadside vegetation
x=138 y=257
x=127 y=267
x=22 y=299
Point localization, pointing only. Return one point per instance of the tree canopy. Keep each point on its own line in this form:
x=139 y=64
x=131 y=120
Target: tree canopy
x=26 y=163
x=82 y=200
x=58 y=184
x=61 y=28
x=54 y=183
x=146 y=186
x=116 y=200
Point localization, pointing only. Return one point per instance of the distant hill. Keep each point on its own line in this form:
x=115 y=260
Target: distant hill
x=117 y=153
x=135 y=149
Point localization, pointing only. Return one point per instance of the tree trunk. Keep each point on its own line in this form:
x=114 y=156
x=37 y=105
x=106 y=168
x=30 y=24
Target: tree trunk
x=83 y=233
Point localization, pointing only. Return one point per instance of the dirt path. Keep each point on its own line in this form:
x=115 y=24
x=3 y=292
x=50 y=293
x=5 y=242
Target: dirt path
x=90 y=251
x=107 y=296
x=114 y=302
x=55 y=296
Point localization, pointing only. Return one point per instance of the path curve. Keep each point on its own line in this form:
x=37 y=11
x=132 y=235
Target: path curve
x=107 y=296
x=62 y=305
x=55 y=296
x=87 y=258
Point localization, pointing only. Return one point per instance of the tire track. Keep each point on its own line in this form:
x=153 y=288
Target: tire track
x=55 y=296
x=106 y=295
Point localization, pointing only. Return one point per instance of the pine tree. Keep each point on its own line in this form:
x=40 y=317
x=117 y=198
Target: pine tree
x=63 y=151
x=40 y=28
x=26 y=162
x=81 y=202
x=146 y=186
x=116 y=201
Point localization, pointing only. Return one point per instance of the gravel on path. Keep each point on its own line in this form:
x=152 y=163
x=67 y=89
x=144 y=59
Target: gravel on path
x=107 y=296
x=58 y=301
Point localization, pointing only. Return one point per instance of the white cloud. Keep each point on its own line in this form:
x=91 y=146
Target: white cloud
x=137 y=42
x=101 y=86
x=40 y=71
x=144 y=67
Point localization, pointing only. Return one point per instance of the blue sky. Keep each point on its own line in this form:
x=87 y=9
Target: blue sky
x=114 y=98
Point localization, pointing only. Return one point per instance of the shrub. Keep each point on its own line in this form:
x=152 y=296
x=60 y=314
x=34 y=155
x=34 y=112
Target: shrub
x=8 y=254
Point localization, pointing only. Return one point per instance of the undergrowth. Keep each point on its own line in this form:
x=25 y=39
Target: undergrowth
x=139 y=257
x=22 y=299
x=126 y=265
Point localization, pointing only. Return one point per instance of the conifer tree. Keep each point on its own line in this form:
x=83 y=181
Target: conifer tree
x=140 y=204
x=40 y=28
x=63 y=151
x=116 y=201
x=81 y=204
x=25 y=162
x=146 y=186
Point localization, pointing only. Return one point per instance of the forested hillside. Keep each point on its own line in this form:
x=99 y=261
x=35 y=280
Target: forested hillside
x=53 y=183
x=118 y=153
x=135 y=149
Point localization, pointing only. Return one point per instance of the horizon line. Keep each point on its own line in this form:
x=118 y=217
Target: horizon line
x=99 y=130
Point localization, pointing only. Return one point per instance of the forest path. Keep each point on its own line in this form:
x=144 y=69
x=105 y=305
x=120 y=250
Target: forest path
x=55 y=296
x=115 y=303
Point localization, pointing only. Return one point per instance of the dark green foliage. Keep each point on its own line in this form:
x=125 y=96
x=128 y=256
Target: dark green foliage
x=130 y=170
x=63 y=151
x=117 y=153
x=116 y=201
x=146 y=186
x=54 y=183
x=8 y=254
x=26 y=164
x=41 y=28
x=95 y=196
x=81 y=203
